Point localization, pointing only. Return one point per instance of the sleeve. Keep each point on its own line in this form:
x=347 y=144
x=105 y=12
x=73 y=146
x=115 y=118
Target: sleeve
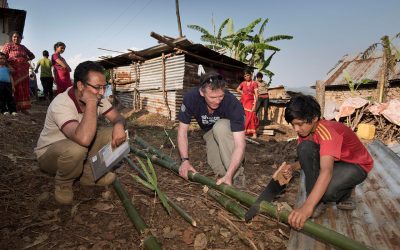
x=236 y=116
x=330 y=142
x=185 y=112
x=54 y=57
x=63 y=114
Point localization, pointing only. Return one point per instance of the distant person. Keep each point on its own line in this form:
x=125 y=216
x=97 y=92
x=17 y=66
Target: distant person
x=221 y=117
x=46 y=77
x=33 y=86
x=70 y=136
x=18 y=59
x=7 y=103
x=332 y=157
x=248 y=89
x=61 y=68
x=263 y=98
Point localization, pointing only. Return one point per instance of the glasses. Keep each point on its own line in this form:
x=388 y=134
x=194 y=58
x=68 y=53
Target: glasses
x=98 y=87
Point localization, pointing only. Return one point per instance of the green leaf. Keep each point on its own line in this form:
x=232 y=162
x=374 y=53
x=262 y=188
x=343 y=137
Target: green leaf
x=153 y=173
x=143 y=182
x=146 y=172
x=163 y=200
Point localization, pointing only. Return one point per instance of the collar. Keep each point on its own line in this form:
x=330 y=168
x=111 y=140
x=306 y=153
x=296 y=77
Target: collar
x=71 y=94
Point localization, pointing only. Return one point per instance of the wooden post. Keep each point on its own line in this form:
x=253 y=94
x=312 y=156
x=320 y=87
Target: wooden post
x=164 y=83
x=178 y=16
x=320 y=95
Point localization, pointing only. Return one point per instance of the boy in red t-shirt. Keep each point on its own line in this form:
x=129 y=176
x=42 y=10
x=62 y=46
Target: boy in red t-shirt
x=333 y=159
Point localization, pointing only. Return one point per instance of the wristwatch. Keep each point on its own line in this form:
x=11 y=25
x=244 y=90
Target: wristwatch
x=184 y=159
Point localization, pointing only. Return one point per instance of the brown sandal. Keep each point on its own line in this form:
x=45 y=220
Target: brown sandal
x=348 y=204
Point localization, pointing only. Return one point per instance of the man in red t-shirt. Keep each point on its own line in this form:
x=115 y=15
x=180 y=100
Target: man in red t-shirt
x=333 y=159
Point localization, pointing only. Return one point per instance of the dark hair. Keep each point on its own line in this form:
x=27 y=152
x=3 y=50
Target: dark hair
x=302 y=107
x=248 y=72
x=45 y=53
x=259 y=75
x=3 y=54
x=15 y=32
x=82 y=71
x=58 y=44
x=212 y=80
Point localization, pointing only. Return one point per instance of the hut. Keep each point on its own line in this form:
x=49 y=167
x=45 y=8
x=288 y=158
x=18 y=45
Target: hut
x=337 y=89
x=155 y=79
x=11 y=20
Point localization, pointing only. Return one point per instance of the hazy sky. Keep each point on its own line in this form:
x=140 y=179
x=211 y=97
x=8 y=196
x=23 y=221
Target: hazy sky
x=323 y=31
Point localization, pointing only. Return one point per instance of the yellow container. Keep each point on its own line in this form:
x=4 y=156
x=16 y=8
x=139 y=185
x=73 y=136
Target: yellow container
x=365 y=131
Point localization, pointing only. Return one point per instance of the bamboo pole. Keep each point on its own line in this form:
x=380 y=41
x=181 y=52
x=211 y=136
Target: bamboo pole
x=227 y=203
x=175 y=206
x=149 y=242
x=310 y=228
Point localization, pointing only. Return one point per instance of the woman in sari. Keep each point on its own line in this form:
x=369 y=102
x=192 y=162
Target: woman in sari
x=18 y=60
x=248 y=89
x=61 y=68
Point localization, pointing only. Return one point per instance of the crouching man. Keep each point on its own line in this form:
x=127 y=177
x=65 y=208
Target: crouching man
x=70 y=136
x=333 y=159
x=221 y=116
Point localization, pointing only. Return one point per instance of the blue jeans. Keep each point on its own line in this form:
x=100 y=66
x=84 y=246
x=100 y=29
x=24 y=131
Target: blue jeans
x=345 y=176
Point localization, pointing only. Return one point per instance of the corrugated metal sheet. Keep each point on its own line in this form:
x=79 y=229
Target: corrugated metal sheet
x=376 y=221
x=359 y=69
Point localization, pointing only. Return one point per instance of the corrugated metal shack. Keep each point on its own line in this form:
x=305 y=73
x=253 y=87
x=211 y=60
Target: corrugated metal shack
x=156 y=78
x=336 y=87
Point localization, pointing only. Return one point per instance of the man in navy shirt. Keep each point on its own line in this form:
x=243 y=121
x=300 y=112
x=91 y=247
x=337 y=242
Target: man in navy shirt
x=221 y=116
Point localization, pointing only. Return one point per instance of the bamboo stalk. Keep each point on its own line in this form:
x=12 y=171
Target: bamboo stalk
x=151 y=149
x=310 y=228
x=227 y=203
x=175 y=206
x=150 y=242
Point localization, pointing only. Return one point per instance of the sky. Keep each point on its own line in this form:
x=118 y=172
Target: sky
x=323 y=31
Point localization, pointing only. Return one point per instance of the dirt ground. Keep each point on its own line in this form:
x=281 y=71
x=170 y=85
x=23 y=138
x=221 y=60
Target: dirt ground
x=31 y=219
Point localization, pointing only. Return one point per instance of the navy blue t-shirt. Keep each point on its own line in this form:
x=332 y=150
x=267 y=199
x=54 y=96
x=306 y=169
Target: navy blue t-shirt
x=195 y=105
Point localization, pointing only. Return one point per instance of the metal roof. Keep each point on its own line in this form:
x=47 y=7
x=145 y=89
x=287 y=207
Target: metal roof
x=183 y=43
x=15 y=19
x=359 y=69
x=376 y=221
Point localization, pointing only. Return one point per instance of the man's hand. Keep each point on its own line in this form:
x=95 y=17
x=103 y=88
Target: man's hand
x=118 y=136
x=88 y=96
x=298 y=216
x=226 y=180
x=185 y=168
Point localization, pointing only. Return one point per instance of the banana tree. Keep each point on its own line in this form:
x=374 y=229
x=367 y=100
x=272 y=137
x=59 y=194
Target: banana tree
x=391 y=55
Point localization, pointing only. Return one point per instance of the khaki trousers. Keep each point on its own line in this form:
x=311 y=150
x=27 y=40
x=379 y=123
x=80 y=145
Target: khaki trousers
x=68 y=160
x=220 y=144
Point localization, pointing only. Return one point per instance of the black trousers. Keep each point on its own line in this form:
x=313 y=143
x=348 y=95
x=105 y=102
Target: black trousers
x=47 y=83
x=262 y=104
x=7 y=102
x=345 y=175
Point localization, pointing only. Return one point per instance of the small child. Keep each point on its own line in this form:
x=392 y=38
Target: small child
x=7 y=103
x=33 y=86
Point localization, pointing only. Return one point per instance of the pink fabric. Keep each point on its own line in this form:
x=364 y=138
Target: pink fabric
x=247 y=100
x=61 y=75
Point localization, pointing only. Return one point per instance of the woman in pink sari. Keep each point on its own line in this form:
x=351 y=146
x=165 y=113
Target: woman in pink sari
x=18 y=57
x=61 y=68
x=248 y=89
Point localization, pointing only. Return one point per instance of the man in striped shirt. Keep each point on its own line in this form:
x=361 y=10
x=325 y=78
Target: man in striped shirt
x=332 y=157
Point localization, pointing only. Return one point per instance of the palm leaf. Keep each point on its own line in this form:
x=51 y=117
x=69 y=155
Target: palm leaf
x=221 y=28
x=153 y=173
x=199 y=28
x=261 y=31
x=267 y=62
x=278 y=38
x=366 y=54
x=230 y=28
x=164 y=200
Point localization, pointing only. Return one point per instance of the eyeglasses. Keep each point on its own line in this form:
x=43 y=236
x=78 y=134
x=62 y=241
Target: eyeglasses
x=98 y=87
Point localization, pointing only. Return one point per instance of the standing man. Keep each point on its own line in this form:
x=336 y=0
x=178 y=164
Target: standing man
x=70 y=136
x=263 y=98
x=46 y=78
x=332 y=157
x=221 y=116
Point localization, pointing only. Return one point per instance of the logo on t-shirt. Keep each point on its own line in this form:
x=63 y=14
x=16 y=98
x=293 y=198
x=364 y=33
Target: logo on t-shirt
x=183 y=108
x=206 y=120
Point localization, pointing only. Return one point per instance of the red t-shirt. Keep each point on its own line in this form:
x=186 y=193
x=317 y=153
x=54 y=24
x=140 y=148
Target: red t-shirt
x=339 y=141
